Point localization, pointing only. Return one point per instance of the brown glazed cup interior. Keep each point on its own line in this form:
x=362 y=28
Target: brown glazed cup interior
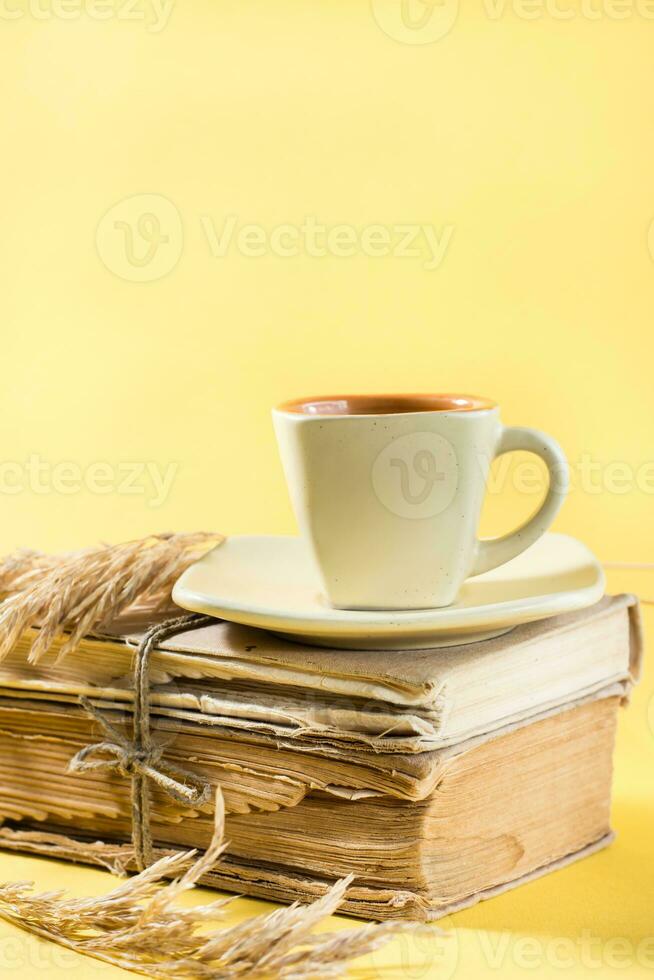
x=384 y=404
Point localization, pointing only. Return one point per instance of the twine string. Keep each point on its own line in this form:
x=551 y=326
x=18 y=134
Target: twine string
x=140 y=759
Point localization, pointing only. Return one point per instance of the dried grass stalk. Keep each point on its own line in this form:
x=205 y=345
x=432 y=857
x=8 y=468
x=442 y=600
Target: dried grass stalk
x=138 y=926
x=78 y=592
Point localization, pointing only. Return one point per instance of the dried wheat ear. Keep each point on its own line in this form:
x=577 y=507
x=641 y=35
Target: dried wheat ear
x=138 y=926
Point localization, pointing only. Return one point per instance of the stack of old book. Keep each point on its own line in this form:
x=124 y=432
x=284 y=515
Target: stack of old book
x=437 y=777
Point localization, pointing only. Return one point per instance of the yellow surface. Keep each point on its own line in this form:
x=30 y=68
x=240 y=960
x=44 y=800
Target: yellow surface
x=519 y=134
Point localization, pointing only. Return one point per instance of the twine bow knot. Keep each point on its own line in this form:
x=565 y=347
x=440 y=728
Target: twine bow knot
x=141 y=760
x=118 y=753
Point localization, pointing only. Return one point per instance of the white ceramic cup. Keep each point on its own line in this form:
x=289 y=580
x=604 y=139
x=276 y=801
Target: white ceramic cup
x=388 y=490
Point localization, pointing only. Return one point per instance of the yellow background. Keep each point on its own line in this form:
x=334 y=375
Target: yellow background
x=524 y=131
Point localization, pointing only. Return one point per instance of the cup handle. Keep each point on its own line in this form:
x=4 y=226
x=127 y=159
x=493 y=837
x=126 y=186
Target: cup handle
x=492 y=552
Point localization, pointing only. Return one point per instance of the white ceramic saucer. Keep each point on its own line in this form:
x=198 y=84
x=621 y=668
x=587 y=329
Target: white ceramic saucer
x=270 y=582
